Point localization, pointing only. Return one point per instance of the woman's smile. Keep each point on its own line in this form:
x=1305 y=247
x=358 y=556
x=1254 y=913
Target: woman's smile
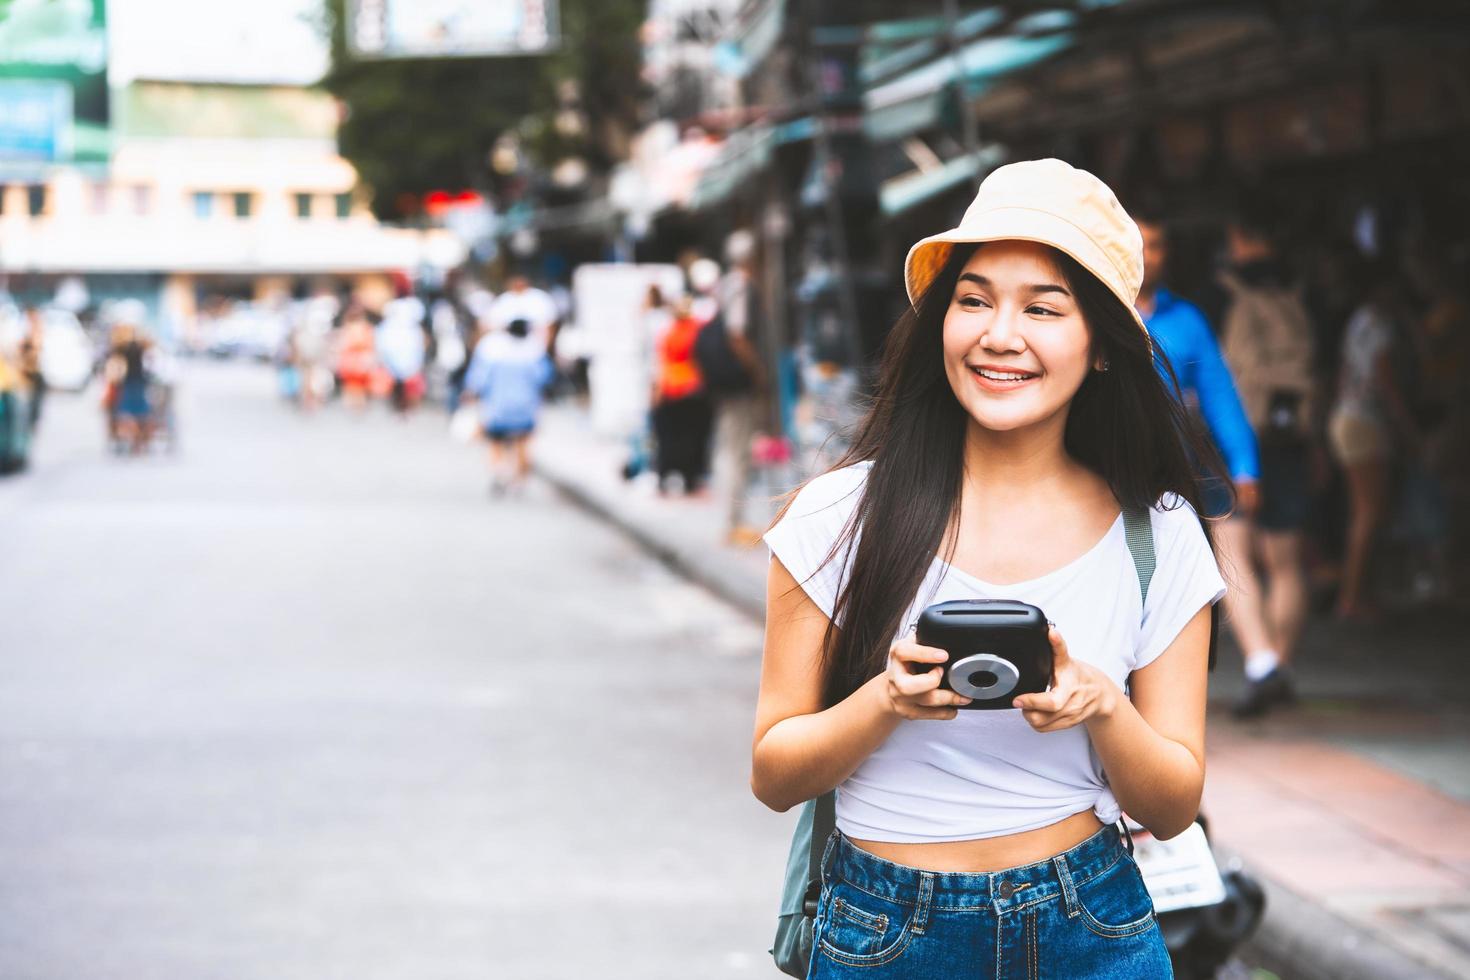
x=993 y=378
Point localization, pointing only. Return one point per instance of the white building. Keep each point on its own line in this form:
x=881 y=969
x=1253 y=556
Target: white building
x=213 y=190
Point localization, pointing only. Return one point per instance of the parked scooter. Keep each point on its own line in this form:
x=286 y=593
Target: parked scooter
x=1205 y=914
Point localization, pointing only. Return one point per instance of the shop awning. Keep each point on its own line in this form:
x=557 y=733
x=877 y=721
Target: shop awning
x=915 y=101
x=745 y=153
x=757 y=36
x=898 y=194
x=595 y=212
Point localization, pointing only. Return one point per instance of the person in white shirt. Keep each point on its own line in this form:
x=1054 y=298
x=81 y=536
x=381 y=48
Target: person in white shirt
x=522 y=301
x=401 y=347
x=1019 y=439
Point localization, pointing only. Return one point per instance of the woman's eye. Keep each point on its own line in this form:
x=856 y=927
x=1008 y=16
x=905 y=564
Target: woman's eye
x=972 y=302
x=1042 y=310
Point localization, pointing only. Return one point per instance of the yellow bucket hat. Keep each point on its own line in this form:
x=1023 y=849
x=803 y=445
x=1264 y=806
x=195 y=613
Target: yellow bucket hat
x=1053 y=203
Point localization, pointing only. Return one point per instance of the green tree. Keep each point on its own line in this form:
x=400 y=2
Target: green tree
x=415 y=125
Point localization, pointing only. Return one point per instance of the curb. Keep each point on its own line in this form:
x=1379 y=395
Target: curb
x=1297 y=938
x=1302 y=940
x=690 y=561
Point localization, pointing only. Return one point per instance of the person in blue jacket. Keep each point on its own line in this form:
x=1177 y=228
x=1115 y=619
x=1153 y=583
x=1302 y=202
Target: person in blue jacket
x=508 y=373
x=1182 y=335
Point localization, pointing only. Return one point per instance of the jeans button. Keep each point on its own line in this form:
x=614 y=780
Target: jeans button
x=1007 y=890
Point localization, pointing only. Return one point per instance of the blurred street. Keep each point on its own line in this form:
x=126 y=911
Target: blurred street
x=277 y=707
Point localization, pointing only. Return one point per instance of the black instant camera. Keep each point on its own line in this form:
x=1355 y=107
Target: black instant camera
x=997 y=649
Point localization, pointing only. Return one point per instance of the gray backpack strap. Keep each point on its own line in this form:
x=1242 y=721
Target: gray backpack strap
x=1138 y=529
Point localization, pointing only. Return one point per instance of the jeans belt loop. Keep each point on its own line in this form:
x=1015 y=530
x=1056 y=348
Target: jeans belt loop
x=926 y=895
x=1069 y=889
x=828 y=853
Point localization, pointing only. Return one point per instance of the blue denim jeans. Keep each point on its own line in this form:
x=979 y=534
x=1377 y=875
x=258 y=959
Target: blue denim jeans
x=1082 y=915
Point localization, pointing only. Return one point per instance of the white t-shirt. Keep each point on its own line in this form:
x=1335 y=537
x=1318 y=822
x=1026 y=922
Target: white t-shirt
x=530 y=304
x=1367 y=336
x=989 y=773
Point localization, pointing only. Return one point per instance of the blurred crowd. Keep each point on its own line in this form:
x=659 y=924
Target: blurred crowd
x=50 y=348
x=490 y=359
x=139 y=377
x=1331 y=380
x=487 y=359
x=708 y=382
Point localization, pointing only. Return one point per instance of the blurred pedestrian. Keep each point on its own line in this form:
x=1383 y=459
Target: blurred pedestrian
x=1445 y=399
x=1185 y=346
x=1268 y=340
x=401 y=348
x=14 y=431
x=1183 y=340
x=656 y=318
x=451 y=355
x=522 y=301
x=310 y=345
x=162 y=367
x=1370 y=417
x=30 y=363
x=356 y=357
x=508 y=373
x=704 y=284
x=126 y=369
x=735 y=381
x=681 y=411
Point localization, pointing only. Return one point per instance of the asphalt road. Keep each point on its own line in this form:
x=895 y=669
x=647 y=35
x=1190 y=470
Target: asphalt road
x=301 y=701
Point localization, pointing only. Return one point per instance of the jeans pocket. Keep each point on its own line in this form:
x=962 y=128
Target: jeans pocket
x=1115 y=904
x=855 y=928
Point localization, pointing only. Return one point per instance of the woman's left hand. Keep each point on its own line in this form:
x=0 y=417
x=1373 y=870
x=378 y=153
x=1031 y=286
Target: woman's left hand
x=1079 y=692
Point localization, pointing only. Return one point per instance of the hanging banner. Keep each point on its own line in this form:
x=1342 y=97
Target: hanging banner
x=450 y=28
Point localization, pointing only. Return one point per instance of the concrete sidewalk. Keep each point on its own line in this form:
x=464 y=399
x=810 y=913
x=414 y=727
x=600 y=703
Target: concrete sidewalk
x=1353 y=808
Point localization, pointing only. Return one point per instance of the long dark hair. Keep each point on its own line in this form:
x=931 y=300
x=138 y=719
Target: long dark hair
x=1127 y=424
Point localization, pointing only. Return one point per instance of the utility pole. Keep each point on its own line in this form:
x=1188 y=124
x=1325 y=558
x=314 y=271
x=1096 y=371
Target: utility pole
x=968 y=133
x=849 y=190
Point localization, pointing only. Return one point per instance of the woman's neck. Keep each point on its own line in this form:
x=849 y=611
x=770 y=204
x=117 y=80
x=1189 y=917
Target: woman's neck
x=1017 y=463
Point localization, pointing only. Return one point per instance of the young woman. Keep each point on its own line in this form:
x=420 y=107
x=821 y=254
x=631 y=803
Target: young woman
x=1018 y=415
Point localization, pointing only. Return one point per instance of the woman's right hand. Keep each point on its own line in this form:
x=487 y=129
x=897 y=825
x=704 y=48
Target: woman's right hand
x=910 y=690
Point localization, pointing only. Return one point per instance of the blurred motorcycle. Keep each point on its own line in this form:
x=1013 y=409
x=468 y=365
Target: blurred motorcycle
x=1205 y=914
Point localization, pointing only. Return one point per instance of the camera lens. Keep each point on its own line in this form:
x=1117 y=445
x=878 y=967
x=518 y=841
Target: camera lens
x=984 y=676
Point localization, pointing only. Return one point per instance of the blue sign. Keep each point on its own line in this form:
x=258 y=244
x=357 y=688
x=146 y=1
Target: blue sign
x=35 y=120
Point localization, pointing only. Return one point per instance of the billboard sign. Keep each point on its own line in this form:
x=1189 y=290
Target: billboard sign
x=35 y=120
x=450 y=28
x=47 y=46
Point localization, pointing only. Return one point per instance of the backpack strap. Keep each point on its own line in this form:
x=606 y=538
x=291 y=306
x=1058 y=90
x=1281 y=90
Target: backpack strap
x=824 y=821
x=1138 y=530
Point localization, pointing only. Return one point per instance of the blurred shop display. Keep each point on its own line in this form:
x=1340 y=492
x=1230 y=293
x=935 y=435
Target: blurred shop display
x=610 y=300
